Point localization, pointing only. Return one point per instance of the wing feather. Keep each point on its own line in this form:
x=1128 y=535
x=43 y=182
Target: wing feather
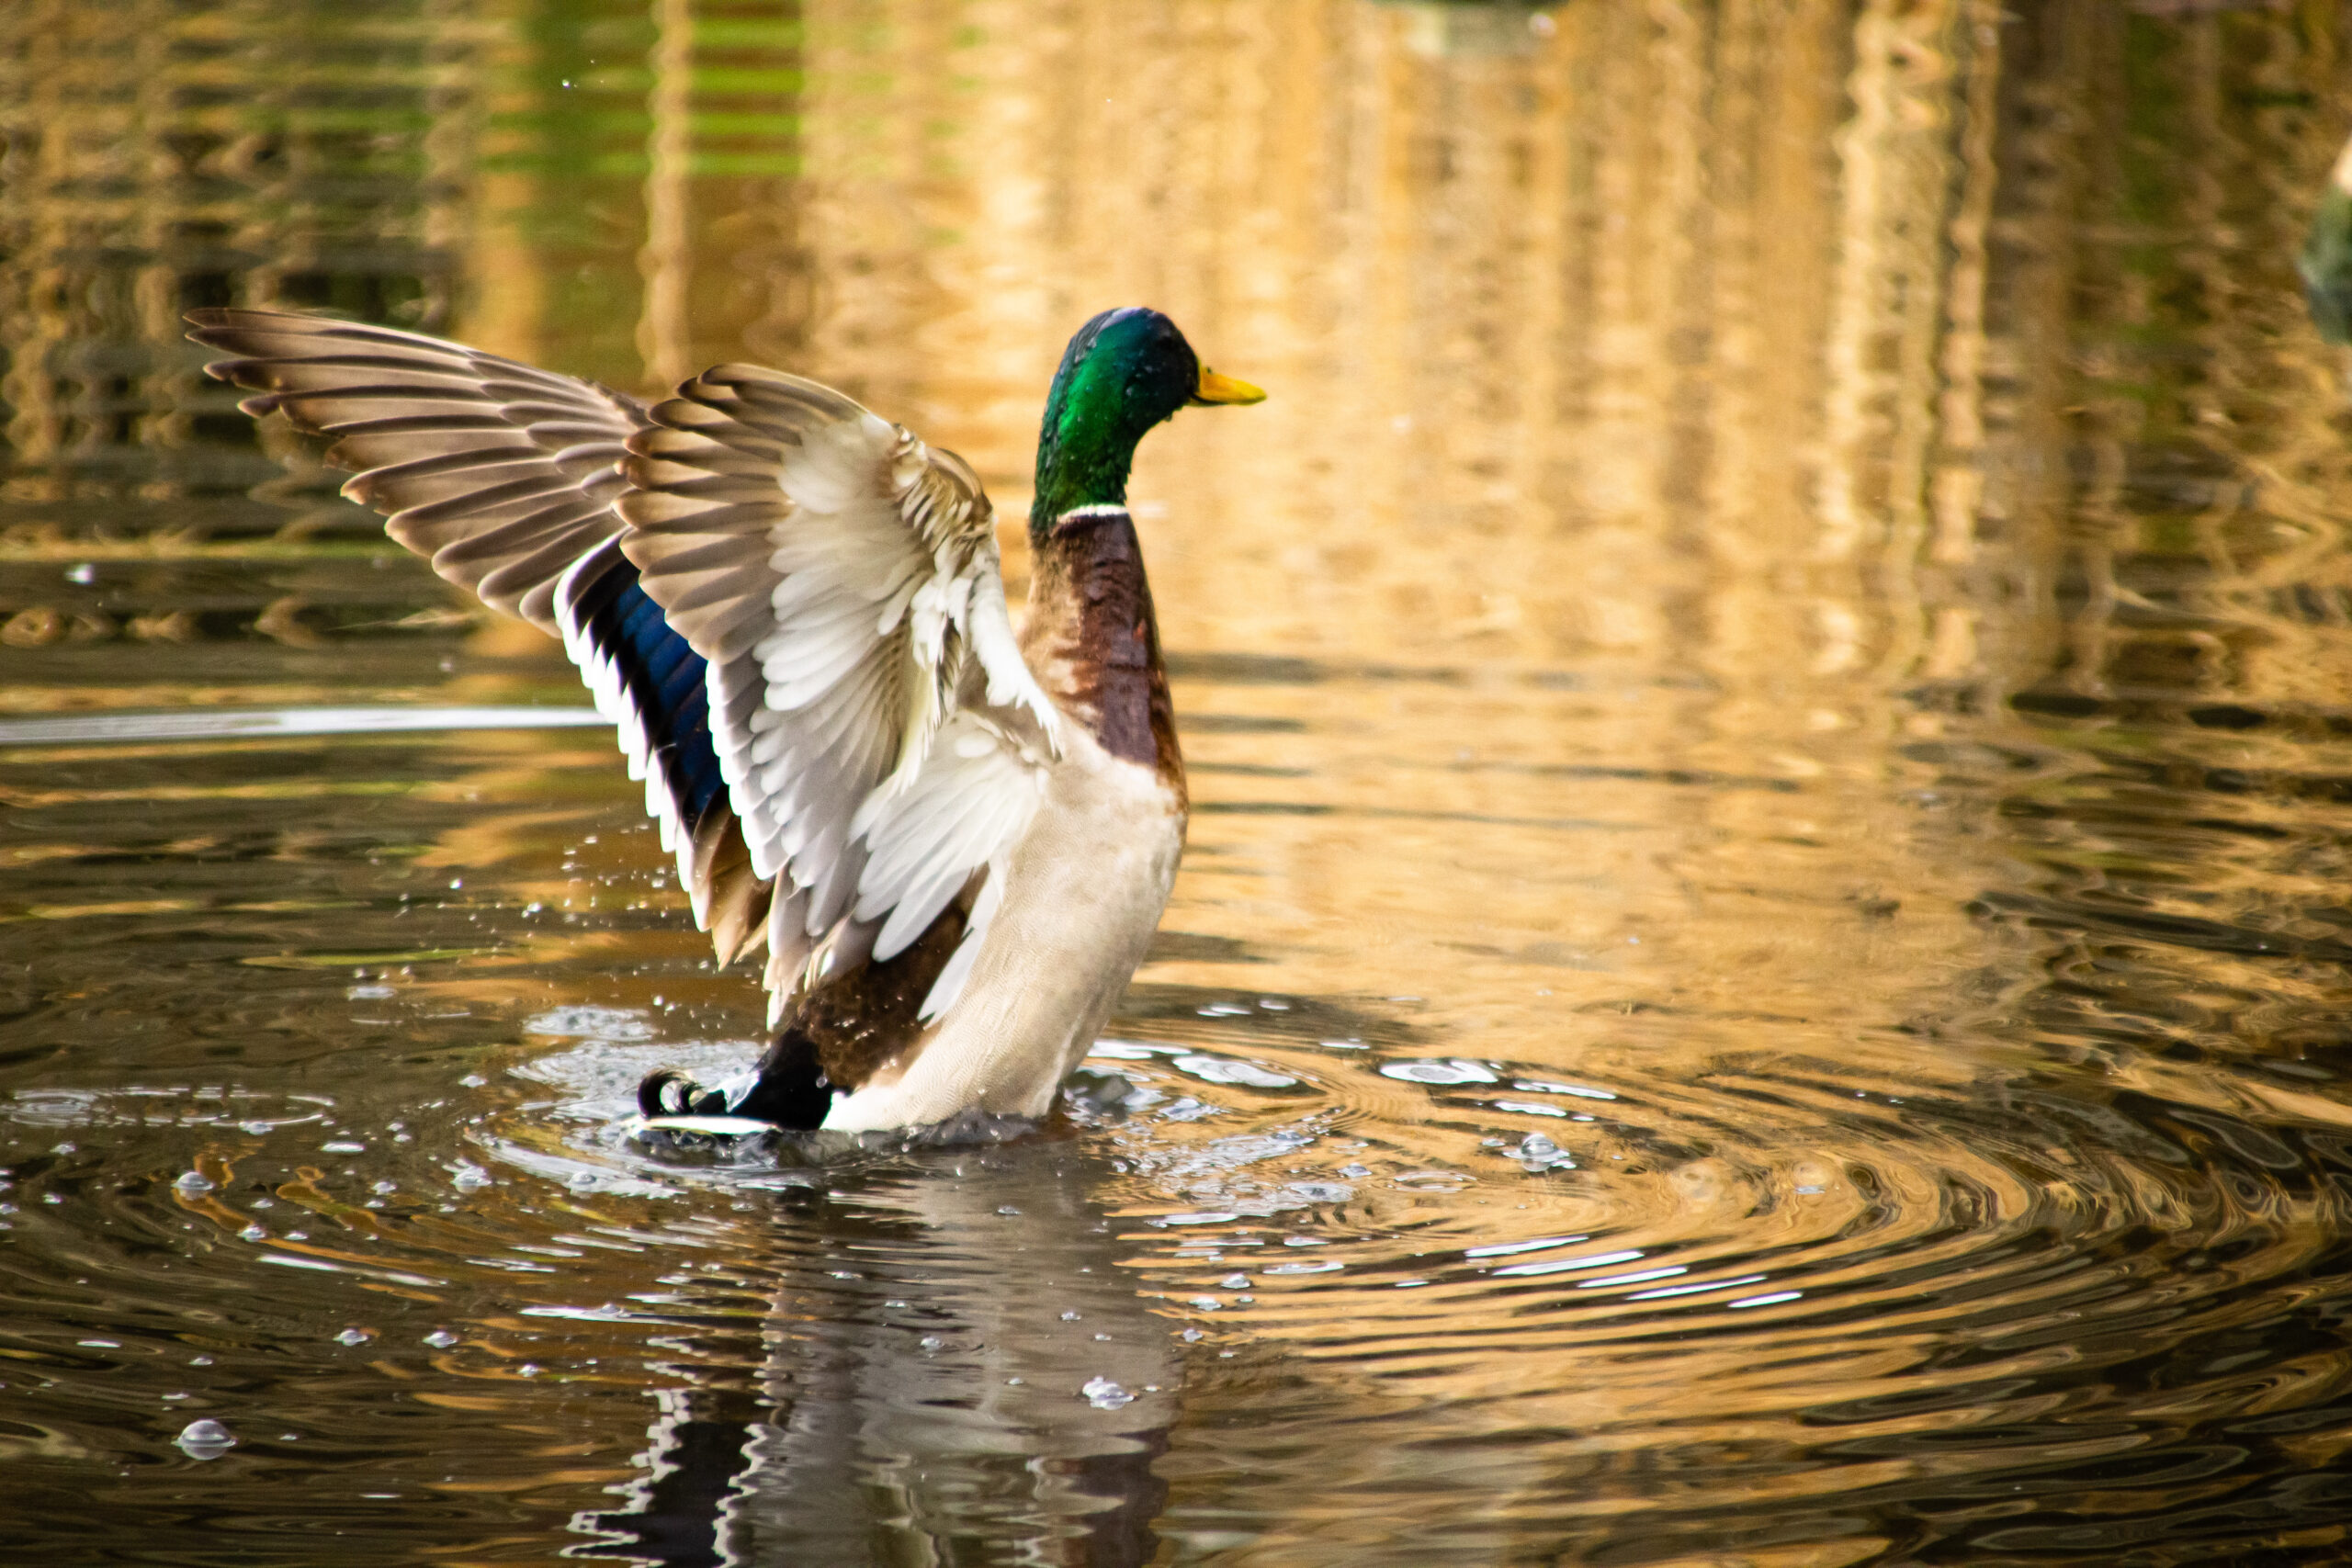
x=501 y=474
x=505 y=476
x=841 y=580
x=864 y=745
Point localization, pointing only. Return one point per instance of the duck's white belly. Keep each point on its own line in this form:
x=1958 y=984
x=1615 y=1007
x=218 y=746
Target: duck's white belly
x=1084 y=890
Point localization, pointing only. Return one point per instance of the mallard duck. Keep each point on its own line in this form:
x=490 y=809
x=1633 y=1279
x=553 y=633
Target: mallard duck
x=953 y=840
x=2327 y=259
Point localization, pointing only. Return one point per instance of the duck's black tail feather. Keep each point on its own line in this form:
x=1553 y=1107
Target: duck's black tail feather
x=792 y=1090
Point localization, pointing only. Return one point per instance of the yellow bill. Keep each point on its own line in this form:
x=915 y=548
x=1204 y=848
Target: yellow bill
x=1216 y=388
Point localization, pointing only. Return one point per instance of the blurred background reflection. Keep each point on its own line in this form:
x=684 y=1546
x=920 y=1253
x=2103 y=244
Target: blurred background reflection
x=1760 y=975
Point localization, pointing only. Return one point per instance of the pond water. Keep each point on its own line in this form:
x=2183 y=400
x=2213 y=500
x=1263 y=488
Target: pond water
x=1761 y=973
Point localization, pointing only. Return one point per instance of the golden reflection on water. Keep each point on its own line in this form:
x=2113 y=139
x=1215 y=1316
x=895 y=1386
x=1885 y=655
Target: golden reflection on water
x=1792 y=574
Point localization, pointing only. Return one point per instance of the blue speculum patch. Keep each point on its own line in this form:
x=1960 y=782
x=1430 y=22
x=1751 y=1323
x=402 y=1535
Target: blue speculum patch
x=664 y=676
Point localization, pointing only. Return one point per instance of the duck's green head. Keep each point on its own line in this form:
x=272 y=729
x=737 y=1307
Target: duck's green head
x=1125 y=372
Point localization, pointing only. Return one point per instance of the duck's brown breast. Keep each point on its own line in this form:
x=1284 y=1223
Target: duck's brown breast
x=1093 y=642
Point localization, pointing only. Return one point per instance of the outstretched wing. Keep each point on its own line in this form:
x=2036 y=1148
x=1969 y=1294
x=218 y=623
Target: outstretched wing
x=880 y=738
x=504 y=477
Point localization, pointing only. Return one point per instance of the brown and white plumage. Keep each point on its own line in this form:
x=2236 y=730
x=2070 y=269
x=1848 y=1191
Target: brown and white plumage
x=793 y=611
x=841 y=580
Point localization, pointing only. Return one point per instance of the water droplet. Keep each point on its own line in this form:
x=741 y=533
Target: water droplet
x=204 y=1439
x=1070 y=1318
x=440 y=1339
x=355 y=1337
x=1104 y=1394
x=473 y=1080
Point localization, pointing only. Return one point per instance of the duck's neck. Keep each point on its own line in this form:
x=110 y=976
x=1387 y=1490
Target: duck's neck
x=1092 y=641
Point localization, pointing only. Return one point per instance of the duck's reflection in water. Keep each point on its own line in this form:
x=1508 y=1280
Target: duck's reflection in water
x=954 y=1369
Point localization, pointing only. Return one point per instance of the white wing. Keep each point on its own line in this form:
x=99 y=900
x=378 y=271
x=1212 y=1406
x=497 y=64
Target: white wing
x=506 y=477
x=503 y=475
x=881 y=739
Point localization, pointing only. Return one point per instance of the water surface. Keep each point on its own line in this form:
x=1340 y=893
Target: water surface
x=1761 y=975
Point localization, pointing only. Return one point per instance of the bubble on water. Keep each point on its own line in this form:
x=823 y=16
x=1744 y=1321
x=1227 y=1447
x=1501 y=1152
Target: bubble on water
x=382 y=1187
x=355 y=1337
x=1537 y=1153
x=1454 y=1069
x=343 y=1147
x=1191 y=1337
x=252 y=1233
x=473 y=1080
x=205 y=1438
x=440 y=1339
x=1104 y=1394
x=1225 y=1070
x=930 y=1342
x=1235 y=1282
x=194 y=1181
x=367 y=993
x=1204 y=1303
x=1070 y=1318
x=199 y=1361
x=468 y=1175
x=256 y=1128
